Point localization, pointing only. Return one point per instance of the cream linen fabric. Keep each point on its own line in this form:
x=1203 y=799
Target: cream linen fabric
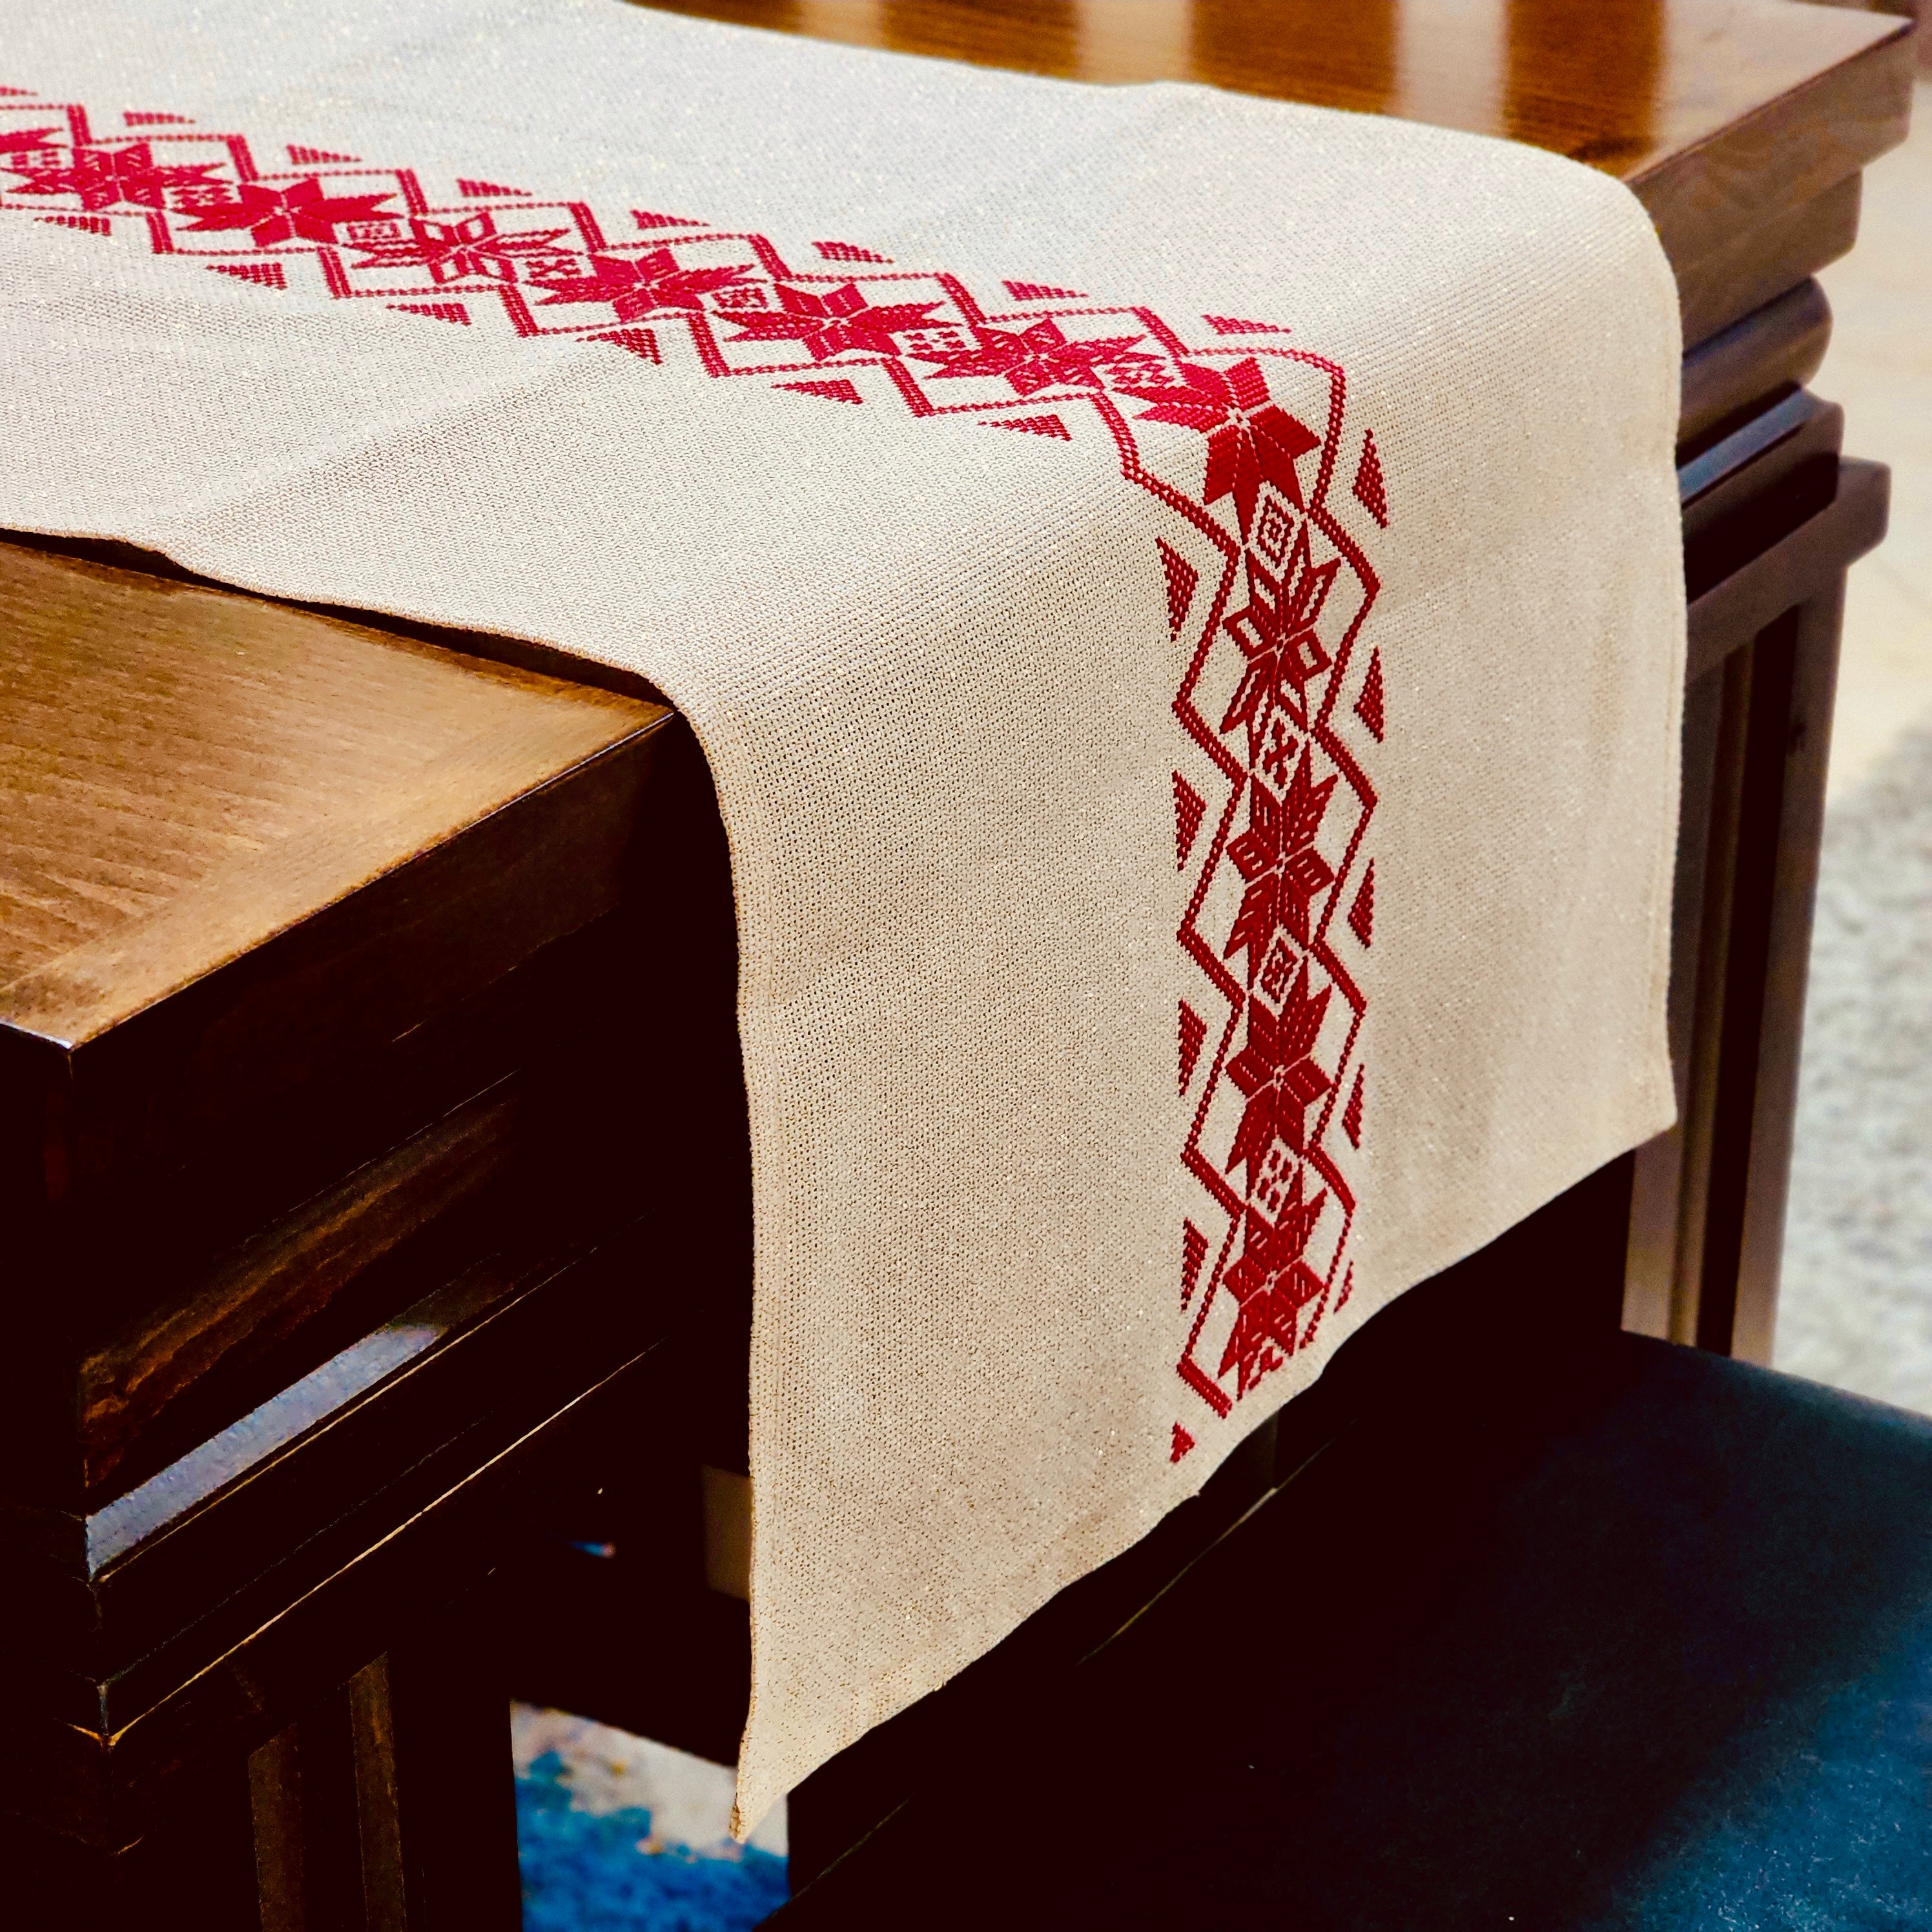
x=934 y=664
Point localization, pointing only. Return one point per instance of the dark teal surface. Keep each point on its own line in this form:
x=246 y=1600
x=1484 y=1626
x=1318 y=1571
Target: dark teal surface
x=1651 y=1652
x=1830 y=1831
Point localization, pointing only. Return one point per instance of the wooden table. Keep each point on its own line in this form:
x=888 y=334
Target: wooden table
x=311 y=923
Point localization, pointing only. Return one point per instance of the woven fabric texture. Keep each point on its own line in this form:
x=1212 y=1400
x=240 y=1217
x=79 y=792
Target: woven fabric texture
x=1180 y=595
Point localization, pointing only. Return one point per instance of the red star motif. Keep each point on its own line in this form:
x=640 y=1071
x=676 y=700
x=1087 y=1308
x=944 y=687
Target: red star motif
x=107 y=177
x=273 y=215
x=1033 y=358
x=1272 y=1283
x=830 y=325
x=1276 y=630
x=1275 y=1072
x=1276 y=856
x=454 y=251
x=642 y=285
x=1251 y=440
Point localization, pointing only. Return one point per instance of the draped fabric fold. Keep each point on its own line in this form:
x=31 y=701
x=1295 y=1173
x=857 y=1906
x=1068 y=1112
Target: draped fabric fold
x=1179 y=596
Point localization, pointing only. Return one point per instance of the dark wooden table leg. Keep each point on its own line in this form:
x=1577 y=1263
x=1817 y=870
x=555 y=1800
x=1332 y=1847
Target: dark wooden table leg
x=391 y=1807
x=1797 y=734
x=454 y=1778
x=1707 y=1224
x=275 y=1806
x=1782 y=693
x=308 y=1803
x=1761 y=699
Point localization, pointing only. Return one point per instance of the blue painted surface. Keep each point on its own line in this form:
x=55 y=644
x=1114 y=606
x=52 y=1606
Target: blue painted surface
x=586 y=1871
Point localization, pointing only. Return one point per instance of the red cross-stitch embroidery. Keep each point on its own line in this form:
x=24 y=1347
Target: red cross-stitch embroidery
x=1368 y=490
x=1190 y=808
x=1193 y=1252
x=848 y=251
x=1369 y=705
x=1193 y=1036
x=1183 y=580
x=1362 y=913
x=1260 y=571
x=837 y=390
x=1233 y=324
x=264 y=275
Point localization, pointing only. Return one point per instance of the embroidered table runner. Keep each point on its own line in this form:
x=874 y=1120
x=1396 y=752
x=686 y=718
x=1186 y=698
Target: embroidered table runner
x=1180 y=595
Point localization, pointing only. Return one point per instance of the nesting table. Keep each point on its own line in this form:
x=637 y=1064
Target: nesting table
x=356 y=1343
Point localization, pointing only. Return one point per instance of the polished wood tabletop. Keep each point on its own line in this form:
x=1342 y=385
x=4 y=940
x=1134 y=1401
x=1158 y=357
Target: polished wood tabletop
x=1624 y=85
x=184 y=772
x=1627 y=85
x=1732 y=119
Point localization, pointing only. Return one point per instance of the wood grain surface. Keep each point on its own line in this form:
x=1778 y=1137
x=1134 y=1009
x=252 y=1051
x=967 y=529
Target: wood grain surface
x=1727 y=117
x=185 y=772
x=284 y=1278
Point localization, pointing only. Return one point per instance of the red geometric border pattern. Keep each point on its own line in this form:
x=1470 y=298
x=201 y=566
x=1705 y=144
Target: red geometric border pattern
x=1276 y=718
